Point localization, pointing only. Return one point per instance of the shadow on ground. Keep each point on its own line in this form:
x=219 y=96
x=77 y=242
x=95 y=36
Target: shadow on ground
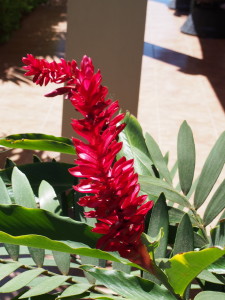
x=42 y=33
x=212 y=65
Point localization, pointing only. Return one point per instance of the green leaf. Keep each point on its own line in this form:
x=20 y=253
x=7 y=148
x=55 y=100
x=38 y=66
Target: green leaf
x=41 y=229
x=209 y=295
x=208 y=276
x=216 y=204
x=4 y=196
x=62 y=261
x=210 y=172
x=142 y=163
x=13 y=251
x=38 y=141
x=186 y=157
x=184 y=241
x=23 y=193
x=128 y=286
x=8 y=268
x=75 y=289
x=183 y=268
x=218 y=234
x=20 y=280
x=56 y=174
x=38 y=256
x=155 y=186
x=159 y=219
x=47 y=198
x=132 y=136
x=46 y=286
x=218 y=267
x=157 y=158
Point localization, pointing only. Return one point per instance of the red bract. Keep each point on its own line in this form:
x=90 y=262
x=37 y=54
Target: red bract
x=112 y=185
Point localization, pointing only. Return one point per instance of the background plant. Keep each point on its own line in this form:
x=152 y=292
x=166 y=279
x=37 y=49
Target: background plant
x=11 y=13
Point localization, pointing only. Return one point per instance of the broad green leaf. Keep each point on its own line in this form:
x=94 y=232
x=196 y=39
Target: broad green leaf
x=38 y=141
x=186 y=157
x=209 y=295
x=157 y=158
x=155 y=186
x=128 y=286
x=75 y=289
x=159 y=219
x=38 y=256
x=56 y=174
x=4 y=196
x=20 y=280
x=46 y=286
x=13 y=251
x=184 y=241
x=41 y=229
x=62 y=261
x=47 y=198
x=216 y=204
x=8 y=268
x=121 y=267
x=23 y=193
x=183 y=268
x=132 y=136
x=210 y=172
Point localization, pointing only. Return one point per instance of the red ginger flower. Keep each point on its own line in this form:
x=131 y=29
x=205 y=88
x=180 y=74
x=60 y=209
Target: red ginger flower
x=113 y=186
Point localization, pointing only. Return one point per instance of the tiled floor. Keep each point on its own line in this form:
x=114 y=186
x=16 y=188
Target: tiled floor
x=182 y=79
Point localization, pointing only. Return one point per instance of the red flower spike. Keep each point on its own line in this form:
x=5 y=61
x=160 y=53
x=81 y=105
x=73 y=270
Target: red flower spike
x=119 y=210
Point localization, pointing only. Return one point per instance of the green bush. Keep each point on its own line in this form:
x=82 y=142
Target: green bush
x=11 y=12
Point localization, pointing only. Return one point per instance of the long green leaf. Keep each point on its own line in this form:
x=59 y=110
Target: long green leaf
x=38 y=256
x=38 y=141
x=209 y=295
x=13 y=251
x=157 y=158
x=4 y=196
x=21 y=280
x=46 y=286
x=184 y=241
x=218 y=234
x=56 y=174
x=183 y=268
x=23 y=193
x=8 y=268
x=75 y=289
x=216 y=204
x=142 y=163
x=210 y=172
x=128 y=286
x=186 y=157
x=155 y=186
x=63 y=261
x=159 y=219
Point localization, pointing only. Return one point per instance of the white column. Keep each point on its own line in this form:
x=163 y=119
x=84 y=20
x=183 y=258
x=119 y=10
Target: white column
x=111 y=32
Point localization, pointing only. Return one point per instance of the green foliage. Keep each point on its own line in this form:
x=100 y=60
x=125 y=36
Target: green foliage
x=35 y=198
x=11 y=12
